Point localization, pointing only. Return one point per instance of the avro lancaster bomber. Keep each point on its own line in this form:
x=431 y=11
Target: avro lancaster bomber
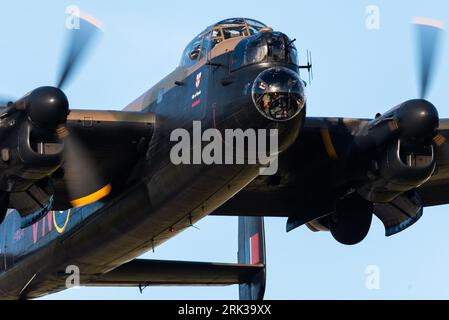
x=96 y=189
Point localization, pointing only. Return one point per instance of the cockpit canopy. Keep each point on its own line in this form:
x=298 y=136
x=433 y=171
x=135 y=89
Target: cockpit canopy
x=223 y=30
x=238 y=27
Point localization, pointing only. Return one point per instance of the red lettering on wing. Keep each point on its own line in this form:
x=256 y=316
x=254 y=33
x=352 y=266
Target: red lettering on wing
x=50 y=221
x=197 y=102
x=35 y=228
x=43 y=228
x=19 y=235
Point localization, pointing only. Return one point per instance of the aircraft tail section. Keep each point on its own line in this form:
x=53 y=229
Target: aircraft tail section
x=251 y=242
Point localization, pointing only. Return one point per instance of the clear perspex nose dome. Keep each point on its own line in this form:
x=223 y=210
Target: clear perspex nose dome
x=278 y=93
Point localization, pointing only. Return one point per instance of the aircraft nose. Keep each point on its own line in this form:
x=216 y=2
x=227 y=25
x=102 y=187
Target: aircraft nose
x=278 y=94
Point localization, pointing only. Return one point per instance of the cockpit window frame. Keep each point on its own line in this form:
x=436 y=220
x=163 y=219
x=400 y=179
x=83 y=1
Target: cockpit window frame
x=255 y=22
x=215 y=40
x=238 y=22
x=186 y=60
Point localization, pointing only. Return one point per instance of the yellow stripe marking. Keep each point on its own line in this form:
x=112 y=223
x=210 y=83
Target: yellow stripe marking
x=58 y=228
x=62 y=132
x=98 y=195
x=439 y=140
x=327 y=140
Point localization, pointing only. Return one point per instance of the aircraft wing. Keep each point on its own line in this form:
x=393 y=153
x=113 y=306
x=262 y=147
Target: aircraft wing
x=305 y=185
x=306 y=172
x=103 y=147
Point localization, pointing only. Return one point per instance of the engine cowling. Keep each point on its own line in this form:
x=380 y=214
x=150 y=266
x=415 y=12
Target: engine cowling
x=395 y=151
x=32 y=145
x=398 y=169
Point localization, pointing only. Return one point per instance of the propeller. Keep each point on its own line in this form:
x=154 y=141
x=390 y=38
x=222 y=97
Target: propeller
x=417 y=120
x=428 y=33
x=48 y=108
x=82 y=178
x=84 y=183
x=81 y=40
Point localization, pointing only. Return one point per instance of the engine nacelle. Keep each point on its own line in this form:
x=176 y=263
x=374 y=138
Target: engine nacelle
x=31 y=144
x=28 y=155
x=398 y=169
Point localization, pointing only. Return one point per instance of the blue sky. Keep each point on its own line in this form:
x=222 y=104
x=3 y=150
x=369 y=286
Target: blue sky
x=357 y=74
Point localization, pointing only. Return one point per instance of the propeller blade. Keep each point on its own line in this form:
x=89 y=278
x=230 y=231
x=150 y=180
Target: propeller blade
x=83 y=179
x=80 y=41
x=428 y=32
